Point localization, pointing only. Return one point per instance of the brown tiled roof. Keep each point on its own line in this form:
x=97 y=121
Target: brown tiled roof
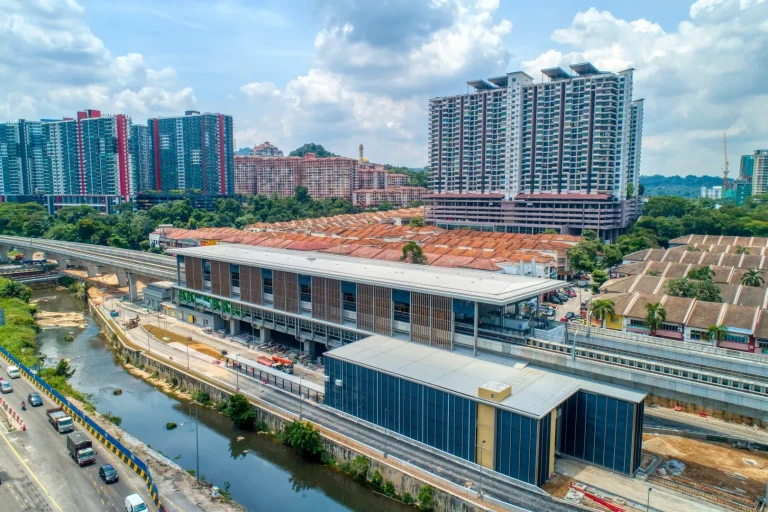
x=752 y=296
x=704 y=314
x=637 y=309
x=620 y=285
x=741 y=317
x=677 y=308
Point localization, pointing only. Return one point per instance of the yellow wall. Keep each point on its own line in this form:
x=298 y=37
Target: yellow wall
x=552 y=432
x=614 y=322
x=486 y=431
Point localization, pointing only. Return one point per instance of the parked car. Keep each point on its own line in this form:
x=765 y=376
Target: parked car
x=555 y=300
x=6 y=387
x=570 y=292
x=108 y=474
x=34 y=400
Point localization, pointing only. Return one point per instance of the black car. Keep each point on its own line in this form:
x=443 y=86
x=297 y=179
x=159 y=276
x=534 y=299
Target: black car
x=34 y=400
x=108 y=474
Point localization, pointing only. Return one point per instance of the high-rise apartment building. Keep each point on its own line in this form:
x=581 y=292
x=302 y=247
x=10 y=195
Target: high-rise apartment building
x=105 y=163
x=746 y=166
x=193 y=152
x=140 y=158
x=323 y=177
x=22 y=163
x=62 y=155
x=11 y=181
x=715 y=192
x=520 y=156
x=760 y=172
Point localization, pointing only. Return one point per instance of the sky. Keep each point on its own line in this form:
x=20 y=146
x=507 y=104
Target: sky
x=345 y=72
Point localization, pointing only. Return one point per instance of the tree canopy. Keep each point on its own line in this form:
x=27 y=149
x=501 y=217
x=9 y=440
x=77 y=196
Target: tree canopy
x=311 y=147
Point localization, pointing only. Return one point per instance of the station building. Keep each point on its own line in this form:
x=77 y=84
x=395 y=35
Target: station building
x=326 y=300
x=511 y=418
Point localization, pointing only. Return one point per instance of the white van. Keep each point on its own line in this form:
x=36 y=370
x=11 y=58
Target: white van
x=134 y=503
x=13 y=372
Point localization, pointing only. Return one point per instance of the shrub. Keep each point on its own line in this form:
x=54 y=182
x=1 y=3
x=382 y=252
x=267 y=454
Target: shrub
x=115 y=420
x=376 y=479
x=241 y=412
x=202 y=398
x=389 y=489
x=407 y=498
x=360 y=466
x=170 y=425
x=174 y=381
x=304 y=438
x=426 y=498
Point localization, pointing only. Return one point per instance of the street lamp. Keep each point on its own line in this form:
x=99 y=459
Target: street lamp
x=482 y=447
x=301 y=400
x=648 y=505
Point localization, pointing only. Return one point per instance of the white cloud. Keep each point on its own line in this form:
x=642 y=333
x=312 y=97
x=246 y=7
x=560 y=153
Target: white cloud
x=376 y=66
x=260 y=90
x=53 y=56
x=704 y=78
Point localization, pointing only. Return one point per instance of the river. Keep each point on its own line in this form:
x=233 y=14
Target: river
x=264 y=475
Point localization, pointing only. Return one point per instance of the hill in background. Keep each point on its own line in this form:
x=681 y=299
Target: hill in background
x=689 y=186
x=311 y=147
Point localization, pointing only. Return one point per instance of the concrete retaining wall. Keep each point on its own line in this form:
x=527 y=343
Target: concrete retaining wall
x=402 y=480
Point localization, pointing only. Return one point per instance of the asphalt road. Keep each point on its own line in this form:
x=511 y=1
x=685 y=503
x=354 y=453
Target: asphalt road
x=61 y=485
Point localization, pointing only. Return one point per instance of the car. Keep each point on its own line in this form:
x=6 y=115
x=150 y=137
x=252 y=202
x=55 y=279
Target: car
x=570 y=315
x=13 y=372
x=6 y=387
x=108 y=474
x=34 y=400
x=570 y=293
x=555 y=300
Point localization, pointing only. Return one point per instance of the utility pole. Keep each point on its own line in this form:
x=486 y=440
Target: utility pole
x=482 y=447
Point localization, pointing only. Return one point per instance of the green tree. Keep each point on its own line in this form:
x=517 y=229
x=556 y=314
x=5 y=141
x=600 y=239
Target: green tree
x=740 y=249
x=602 y=308
x=241 y=412
x=10 y=289
x=630 y=190
x=385 y=206
x=641 y=189
x=752 y=277
x=550 y=231
x=589 y=234
x=708 y=291
x=412 y=253
x=655 y=316
x=63 y=369
x=667 y=206
x=301 y=194
x=417 y=222
x=612 y=256
x=599 y=277
x=701 y=273
x=717 y=333
x=304 y=438
x=317 y=149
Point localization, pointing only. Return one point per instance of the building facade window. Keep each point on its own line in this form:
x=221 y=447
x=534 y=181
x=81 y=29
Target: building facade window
x=234 y=279
x=206 y=275
x=736 y=338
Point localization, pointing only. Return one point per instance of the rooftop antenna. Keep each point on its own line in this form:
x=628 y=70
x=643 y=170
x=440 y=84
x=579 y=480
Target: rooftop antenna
x=725 y=167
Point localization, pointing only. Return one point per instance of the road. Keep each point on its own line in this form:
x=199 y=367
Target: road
x=42 y=453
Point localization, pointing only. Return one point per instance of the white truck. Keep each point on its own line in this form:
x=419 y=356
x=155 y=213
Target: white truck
x=134 y=503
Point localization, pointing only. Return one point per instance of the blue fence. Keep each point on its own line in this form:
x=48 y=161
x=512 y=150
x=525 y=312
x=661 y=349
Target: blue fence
x=115 y=446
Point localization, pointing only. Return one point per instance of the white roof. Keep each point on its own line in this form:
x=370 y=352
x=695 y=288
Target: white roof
x=535 y=391
x=488 y=287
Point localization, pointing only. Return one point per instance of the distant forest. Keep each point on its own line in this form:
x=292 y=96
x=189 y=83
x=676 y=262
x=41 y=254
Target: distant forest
x=689 y=186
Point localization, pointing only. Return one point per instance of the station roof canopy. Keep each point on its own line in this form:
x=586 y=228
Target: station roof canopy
x=535 y=391
x=474 y=285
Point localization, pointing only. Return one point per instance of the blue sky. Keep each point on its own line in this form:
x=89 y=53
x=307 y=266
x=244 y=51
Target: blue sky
x=347 y=71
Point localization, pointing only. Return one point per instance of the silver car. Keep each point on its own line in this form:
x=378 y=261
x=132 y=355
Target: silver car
x=6 y=386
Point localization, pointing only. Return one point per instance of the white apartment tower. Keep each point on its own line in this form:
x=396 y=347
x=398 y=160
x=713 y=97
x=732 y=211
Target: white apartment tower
x=760 y=172
x=570 y=142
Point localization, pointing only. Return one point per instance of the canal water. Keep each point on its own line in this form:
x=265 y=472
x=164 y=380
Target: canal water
x=264 y=475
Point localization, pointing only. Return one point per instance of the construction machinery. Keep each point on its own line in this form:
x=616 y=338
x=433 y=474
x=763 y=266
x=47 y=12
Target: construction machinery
x=286 y=365
x=131 y=323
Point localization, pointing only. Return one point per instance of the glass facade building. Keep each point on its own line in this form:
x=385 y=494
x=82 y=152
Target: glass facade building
x=442 y=399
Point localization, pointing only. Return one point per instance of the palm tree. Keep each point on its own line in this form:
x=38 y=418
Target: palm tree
x=655 y=316
x=601 y=308
x=740 y=249
x=717 y=332
x=412 y=253
x=752 y=278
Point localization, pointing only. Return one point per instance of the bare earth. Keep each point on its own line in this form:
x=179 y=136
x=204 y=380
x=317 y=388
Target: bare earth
x=58 y=319
x=710 y=463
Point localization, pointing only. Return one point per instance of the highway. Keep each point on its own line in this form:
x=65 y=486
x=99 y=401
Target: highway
x=42 y=476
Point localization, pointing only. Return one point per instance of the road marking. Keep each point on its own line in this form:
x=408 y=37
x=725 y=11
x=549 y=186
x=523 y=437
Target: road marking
x=30 y=472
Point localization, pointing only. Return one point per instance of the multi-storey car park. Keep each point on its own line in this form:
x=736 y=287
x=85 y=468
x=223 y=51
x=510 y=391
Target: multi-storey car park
x=413 y=372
